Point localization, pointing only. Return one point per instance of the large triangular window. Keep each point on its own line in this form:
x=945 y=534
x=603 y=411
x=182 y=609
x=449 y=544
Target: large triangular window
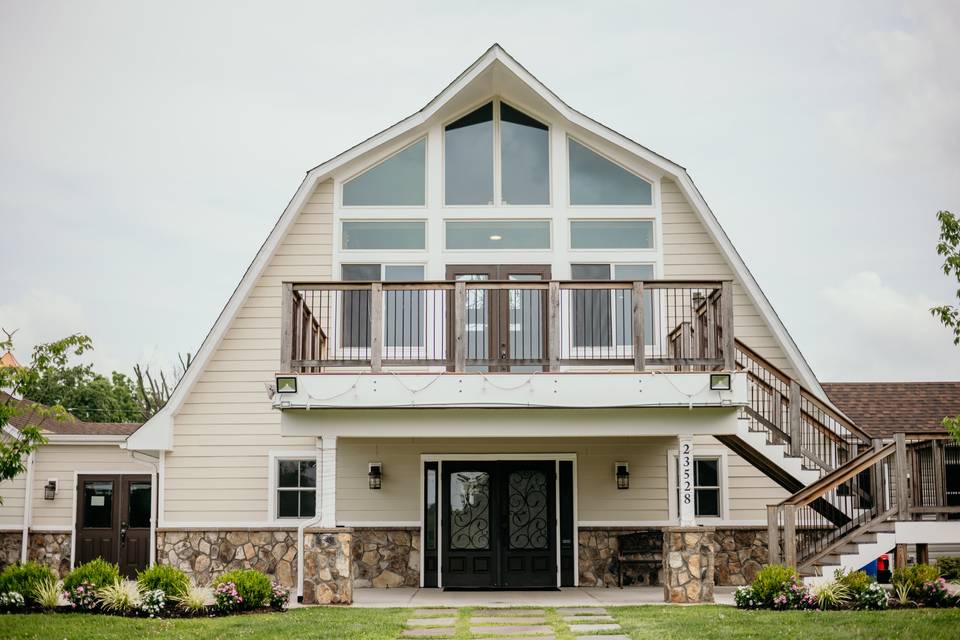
x=398 y=181
x=594 y=180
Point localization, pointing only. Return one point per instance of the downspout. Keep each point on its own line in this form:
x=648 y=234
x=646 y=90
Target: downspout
x=309 y=523
x=27 y=509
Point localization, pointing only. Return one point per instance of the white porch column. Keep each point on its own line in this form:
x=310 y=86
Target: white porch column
x=328 y=482
x=685 y=480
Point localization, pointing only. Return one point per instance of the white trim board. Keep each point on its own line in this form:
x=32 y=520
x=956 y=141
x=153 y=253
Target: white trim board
x=157 y=433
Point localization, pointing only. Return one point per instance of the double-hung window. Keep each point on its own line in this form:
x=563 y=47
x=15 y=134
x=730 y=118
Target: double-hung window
x=296 y=488
x=706 y=487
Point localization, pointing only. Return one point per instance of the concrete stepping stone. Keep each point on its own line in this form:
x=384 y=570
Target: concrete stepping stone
x=431 y=622
x=527 y=638
x=588 y=619
x=589 y=628
x=429 y=632
x=511 y=629
x=535 y=613
x=618 y=637
x=428 y=613
x=509 y=620
x=581 y=611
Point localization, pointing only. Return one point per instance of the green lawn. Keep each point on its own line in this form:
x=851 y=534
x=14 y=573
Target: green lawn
x=640 y=623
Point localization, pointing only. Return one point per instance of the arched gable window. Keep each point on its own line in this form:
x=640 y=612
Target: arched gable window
x=398 y=181
x=522 y=176
x=594 y=180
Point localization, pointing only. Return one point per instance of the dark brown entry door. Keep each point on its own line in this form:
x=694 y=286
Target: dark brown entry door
x=113 y=520
x=499 y=525
x=505 y=325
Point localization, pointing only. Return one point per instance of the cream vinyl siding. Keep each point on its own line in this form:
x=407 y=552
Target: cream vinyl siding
x=11 y=511
x=750 y=491
x=690 y=253
x=61 y=461
x=597 y=495
x=217 y=471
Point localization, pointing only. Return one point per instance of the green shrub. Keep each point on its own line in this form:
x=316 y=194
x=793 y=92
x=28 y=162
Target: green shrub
x=120 y=597
x=48 y=593
x=99 y=573
x=173 y=582
x=949 y=567
x=832 y=595
x=770 y=581
x=253 y=586
x=25 y=578
x=912 y=578
x=856 y=581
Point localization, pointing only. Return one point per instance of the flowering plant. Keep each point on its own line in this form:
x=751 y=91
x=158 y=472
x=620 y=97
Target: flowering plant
x=934 y=593
x=11 y=601
x=279 y=596
x=152 y=602
x=873 y=597
x=745 y=598
x=227 y=597
x=795 y=595
x=83 y=596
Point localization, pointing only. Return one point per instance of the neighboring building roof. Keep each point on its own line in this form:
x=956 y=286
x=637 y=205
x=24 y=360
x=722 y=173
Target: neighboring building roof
x=7 y=360
x=884 y=408
x=71 y=426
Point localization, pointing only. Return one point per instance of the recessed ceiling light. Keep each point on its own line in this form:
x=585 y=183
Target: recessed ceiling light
x=496 y=237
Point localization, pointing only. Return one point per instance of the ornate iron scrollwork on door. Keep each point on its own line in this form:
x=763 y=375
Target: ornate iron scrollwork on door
x=528 y=510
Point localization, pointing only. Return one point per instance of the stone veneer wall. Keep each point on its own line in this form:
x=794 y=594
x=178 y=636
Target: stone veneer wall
x=9 y=547
x=327 y=566
x=51 y=548
x=206 y=554
x=386 y=557
x=598 y=563
x=688 y=569
x=739 y=554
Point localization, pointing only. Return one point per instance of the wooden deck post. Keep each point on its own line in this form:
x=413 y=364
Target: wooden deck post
x=639 y=344
x=773 y=533
x=726 y=313
x=553 y=328
x=790 y=535
x=376 y=326
x=900 y=556
x=286 y=327
x=903 y=484
x=939 y=476
x=796 y=419
x=460 y=327
x=923 y=553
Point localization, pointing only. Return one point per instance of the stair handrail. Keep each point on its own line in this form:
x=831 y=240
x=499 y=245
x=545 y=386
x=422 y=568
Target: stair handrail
x=838 y=476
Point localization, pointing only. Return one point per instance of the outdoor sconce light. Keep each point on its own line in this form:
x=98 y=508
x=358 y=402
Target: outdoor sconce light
x=375 y=475
x=286 y=384
x=50 y=489
x=720 y=382
x=623 y=475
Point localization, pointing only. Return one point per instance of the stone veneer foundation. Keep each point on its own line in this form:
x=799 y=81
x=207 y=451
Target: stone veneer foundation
x=386 y=557
x=327 y=566
x=51 y=548
x=739 y=553
x=688 y=567
x=9 y=547
x=598 y=562
x=205 y=554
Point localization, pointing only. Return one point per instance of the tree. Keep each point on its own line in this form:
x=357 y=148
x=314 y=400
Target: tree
x=949 y=315
x=153 y=393
x=13 y=449
x=88 y=395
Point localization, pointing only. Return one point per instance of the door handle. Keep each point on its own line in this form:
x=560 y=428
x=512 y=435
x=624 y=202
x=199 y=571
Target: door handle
x=123 y=532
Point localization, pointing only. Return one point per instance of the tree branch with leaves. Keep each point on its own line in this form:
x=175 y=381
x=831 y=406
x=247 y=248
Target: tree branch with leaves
x=948 y=248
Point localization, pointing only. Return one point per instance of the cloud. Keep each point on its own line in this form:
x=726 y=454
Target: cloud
x=867 y=326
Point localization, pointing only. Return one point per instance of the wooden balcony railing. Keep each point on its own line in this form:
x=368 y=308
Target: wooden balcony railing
x=517 y=325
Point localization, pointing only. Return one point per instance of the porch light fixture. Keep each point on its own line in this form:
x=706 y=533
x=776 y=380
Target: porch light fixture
x=375 y=475
x=50 y=489
x=720 y=382
x=286 y=384
x=622 y=474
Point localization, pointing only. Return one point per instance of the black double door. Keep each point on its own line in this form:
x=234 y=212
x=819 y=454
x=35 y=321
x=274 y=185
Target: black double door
x=499 y=525
x=113 y=520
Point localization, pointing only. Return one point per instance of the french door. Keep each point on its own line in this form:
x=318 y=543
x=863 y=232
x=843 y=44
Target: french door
x=505 y=325
x=499 y=524
x=113 y=520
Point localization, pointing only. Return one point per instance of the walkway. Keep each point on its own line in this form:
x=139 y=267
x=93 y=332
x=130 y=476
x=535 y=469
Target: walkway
x=506 y=624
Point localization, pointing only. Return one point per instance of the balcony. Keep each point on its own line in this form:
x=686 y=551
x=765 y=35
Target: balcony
x=517 y=343
x=507 y=326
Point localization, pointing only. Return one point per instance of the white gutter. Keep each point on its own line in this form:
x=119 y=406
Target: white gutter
x=27 y=509
x=74 y=438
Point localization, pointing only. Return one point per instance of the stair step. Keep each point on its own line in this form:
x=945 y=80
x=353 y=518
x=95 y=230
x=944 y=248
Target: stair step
x=866 y=538
x=884 y=527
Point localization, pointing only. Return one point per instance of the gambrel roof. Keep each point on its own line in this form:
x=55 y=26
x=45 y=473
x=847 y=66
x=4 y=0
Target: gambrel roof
x=495 y=65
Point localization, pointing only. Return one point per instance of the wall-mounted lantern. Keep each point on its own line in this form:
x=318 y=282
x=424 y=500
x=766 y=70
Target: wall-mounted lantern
x=50 y=489
x=622 y=473
x=720 y=382
x=375 y=475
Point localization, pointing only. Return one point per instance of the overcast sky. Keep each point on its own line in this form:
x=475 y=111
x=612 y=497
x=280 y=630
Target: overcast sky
x=147 y=148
